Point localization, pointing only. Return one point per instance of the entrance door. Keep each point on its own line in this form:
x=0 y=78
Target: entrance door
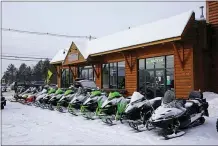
x=154 y=83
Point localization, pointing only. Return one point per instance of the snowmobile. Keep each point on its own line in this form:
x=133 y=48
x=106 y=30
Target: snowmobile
x=80 y=96
x=3 y=101
x=139 y=110
x=31 y=99
x=174 y=115
x=112 y=108
x=20 y=92
x=39 y=99
x=22 y=97
x=90 y=105
x=64 y=100
x=217 y=125
x=45 y=100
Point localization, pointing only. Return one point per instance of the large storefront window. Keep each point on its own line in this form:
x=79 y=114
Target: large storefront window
x=113 y=75
x=155 y=75
x=66 y=78
x=86 y=73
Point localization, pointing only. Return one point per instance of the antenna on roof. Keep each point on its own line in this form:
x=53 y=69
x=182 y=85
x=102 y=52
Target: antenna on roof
x=202 y=12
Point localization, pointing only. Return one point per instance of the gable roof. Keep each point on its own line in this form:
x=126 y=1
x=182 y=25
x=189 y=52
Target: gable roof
x=159 y=30
x=59 y=56
x=82 y=46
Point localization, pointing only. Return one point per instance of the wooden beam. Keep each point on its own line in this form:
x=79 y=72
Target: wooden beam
x=97 y=73
x=130 y=63
x=178 y=54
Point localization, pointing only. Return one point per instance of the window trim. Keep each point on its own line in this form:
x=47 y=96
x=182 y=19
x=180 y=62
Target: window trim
x=109 y=69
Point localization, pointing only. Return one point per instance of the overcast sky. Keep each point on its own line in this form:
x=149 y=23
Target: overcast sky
x=71 y=18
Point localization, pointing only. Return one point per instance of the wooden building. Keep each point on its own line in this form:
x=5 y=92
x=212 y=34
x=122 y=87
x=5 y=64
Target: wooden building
x=169 y=53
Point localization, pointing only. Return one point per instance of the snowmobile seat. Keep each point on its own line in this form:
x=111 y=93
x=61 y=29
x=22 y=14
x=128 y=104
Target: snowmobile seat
x=195 y=95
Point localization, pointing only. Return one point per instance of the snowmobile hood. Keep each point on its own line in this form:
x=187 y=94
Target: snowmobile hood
x=92 y=98
x=68 y=92
x=78 y=98
x=52 y=90
x=113 y=95
x=95 y=93
x=163 y=113
x=136 y=96
x=112 y=101
x=59 y=91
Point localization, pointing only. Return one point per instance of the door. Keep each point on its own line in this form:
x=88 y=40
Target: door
x=154 y=83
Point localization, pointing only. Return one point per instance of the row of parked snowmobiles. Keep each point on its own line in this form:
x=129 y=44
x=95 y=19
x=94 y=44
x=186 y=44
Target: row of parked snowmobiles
x=140 y=112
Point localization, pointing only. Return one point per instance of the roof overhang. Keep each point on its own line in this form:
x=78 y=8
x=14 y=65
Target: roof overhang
x=139 y=46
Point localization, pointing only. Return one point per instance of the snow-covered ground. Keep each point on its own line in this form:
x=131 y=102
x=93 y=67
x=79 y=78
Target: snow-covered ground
x=27 y=125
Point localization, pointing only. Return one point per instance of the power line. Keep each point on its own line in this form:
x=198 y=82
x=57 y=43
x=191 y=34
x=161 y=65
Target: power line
x=18 y=59
x=45 y=33
x=24 y=57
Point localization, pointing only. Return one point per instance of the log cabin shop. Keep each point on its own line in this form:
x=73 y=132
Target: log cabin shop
x=152 y=57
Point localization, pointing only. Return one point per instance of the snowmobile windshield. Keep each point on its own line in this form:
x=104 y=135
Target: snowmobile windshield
x=68 y=92
x=52 y=90
x=136 y=97
x=44 y=91
x=113 y=95
x=95 y=93
x=169 y=96
x=59 y=91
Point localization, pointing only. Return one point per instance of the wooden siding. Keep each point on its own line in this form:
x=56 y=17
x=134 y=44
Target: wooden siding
x=183 y=75
x=212 y=13
x=183 y=78
x=73 y=50
x=212 y=18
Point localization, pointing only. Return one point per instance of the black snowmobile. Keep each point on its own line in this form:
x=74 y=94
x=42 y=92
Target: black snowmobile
x=3 y=101
x=90 y=105
x=112 y=108
x=77 y=101
x=217 y=125
x=174 y=115
x=139 y=110
x=85 y=87
x=57 y=95
x=65 y=99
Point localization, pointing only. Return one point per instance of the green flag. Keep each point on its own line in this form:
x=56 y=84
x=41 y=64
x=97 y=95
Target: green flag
x=48 y=76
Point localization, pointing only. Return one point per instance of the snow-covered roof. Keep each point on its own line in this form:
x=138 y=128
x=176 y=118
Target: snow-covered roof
x=82 y=46
x=60 y=56
x=155 y=31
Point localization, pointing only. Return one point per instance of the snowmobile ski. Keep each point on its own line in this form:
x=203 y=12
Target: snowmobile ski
x=174 y=135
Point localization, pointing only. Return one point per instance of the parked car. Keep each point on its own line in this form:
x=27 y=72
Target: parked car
x=38 y=83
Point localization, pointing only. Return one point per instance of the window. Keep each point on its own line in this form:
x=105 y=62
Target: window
x=155 y=75
x=66 y=78
x=105 y=76
x=86 y=73
x=113 y=75
x=121 y=75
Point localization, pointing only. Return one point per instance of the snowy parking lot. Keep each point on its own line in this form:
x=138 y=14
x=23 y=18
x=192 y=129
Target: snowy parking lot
x=28 y=125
